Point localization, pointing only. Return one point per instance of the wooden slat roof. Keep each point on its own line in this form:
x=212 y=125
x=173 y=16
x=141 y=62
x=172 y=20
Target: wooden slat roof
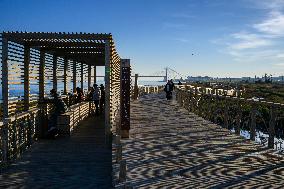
x=84 y=47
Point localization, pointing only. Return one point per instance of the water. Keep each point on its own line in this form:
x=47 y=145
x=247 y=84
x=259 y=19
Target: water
x=151 y=83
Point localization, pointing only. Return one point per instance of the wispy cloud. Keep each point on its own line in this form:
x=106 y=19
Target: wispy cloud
x=273 y=25
x=248 y=41
x=182 y=40
x=268 y=4
x=174 y=25
x=259 y=40
x=183 y=15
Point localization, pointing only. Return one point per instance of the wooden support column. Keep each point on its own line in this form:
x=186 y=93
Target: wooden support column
x=89 y=76
x=271 y=129
x=135 y=95
x=26 y=78
x=82 y=77
x=5 y=86
x=5 y=95
x=41 y=75
x=95 y=74
x=54 y=74
x=43 y=113
x=107 y=92
x=125 y=97
x=253 y=121
x=74 y=76
x=65 y=76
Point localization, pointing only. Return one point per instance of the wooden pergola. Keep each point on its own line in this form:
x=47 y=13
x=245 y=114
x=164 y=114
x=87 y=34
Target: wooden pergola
x=63 y=61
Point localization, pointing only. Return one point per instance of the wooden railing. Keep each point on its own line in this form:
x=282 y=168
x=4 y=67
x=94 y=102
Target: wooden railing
x=19 y=131
x=68 y=121
x=261 y=119
x=17 y=134
x=213 y=90
x=142 y=90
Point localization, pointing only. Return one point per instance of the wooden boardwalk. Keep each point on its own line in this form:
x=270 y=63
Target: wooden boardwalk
x=172 y=148
x=81 y=161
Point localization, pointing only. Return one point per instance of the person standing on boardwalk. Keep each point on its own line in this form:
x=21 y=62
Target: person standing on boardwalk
x=102 y=99
x=96 y=98
x=172 y=85
x=168 y=90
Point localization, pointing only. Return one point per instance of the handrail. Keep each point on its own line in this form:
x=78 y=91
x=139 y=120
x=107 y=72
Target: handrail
x=234 y=111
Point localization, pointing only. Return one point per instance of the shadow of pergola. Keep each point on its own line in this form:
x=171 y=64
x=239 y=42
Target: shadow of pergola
x=171 y=148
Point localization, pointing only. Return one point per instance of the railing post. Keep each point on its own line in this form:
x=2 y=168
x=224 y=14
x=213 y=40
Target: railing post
x=5 y=138
x=226 y=113
x=118 y=153
x=253 y=121
x=122 y=171
x=271 y=129
x=239 y=117
x=135 y=96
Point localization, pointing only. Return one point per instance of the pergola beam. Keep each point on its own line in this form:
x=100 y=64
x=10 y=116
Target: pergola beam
x=63 y=35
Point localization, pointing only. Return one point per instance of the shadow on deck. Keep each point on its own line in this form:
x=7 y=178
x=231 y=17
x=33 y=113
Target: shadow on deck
x=170 y=147
x=79 y=161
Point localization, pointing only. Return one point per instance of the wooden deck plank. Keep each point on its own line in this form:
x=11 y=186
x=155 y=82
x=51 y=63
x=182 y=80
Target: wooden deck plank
x=172 y=148
x=81 y=161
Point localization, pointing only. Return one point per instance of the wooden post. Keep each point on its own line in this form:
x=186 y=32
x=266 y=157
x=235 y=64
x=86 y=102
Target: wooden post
x=82 y=77
x=226 y=114
x=74 y=76
x=41 y=75
x=42 y=120
x=253 y=121
x=95 y=74
x=65 y=76
x=125 y=83
x=107 y=92
x=122 y=171
x=239 y=117
x=136 y=87
x=26 y=78
x=118 y=153
x=89 y=76
x=54 y=74
x=271 y=129
x=5 y=140
x=5 y=84
x=5 y=96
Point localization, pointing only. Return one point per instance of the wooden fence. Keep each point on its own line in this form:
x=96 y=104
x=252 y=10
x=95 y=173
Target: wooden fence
x=238 y=114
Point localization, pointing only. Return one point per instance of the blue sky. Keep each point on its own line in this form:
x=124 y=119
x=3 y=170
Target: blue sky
x=229 y=38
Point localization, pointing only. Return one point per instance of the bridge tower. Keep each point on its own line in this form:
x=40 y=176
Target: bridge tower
x=166 y=77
